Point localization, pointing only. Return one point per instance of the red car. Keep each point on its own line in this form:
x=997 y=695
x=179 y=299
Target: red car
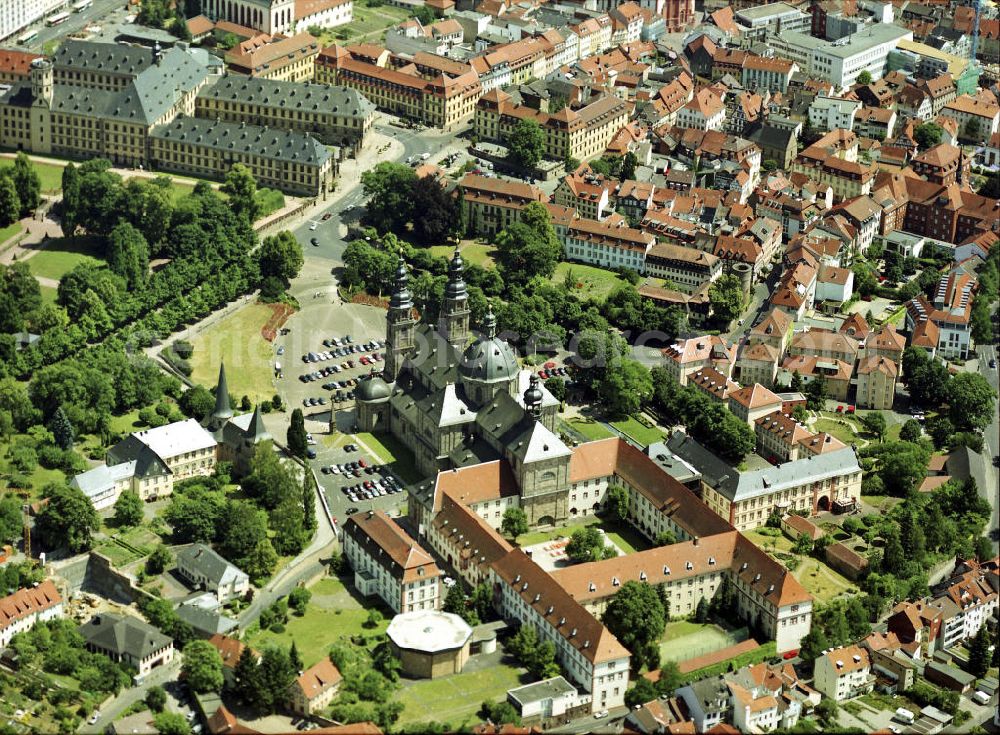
x=850 y=409
x=362 y=462
x=543 y=375
x=789 y=655
x=840 y=409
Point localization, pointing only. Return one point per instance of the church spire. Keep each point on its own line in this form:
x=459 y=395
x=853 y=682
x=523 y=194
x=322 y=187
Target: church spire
x=455 y=314
x=256 y=430
x=490 y=323
x=222 y=410
x=401 y=297
x=533 y=397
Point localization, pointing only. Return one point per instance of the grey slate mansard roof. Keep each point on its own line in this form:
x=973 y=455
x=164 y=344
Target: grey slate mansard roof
x=736 y=485
x=282 y=145
x=104 y=57
x=343 y=101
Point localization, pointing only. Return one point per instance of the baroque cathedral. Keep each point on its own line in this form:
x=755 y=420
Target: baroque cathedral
x=456 y=399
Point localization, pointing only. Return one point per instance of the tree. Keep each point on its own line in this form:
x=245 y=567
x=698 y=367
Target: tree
x=156 y=698
x=528 y=248
x=803 y=544
x=67 y=520
x=298 y=600
x=875 y=423
x=276 y=675
x=636 y=617
x=911 y=431
x=813 y=644
x=294 y=658
x=11 y=520
x=538 y=656
x=437 y=215
x=128 y=255
x=296 y=437
x=27 y=183
x=10 y=204
x=280 y=256
x=389 y=188
x=159 y=560
x=196 y=402
x=630 y=162
x=665 y=538
x=526 y=144
x=971 y=402
x=617 y=501
x=816 y=393
x=128 y=509
x=701 y=610
x=726 y=297
x=979 y=652
x=826 y=711
x=244 y=526
x=514 y=523
x=241 y=187
x=641 y=692
x=499 y=713
x=246 y=677
x=202 y=667
x=171 y=723
x=625 y=386
x=864 y=77
x=587 y=544
x=71 y=199
x=62 y=429
x=927 y=135
x=385 y=661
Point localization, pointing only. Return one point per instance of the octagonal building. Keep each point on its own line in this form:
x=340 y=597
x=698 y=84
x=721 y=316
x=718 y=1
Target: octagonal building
x=430 y=644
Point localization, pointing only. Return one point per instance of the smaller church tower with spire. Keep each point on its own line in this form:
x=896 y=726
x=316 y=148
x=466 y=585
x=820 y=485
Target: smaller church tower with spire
x=454 y=322
x=223 y=411
x=400 y=325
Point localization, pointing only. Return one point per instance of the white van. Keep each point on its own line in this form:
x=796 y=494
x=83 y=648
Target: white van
x=981 y=697
x=904 y=715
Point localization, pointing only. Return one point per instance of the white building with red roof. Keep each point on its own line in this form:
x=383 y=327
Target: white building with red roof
x=20 y=610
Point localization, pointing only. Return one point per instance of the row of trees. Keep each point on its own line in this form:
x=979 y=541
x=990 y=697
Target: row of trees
x=707 y=421
x=968 y=397
x=20 y=190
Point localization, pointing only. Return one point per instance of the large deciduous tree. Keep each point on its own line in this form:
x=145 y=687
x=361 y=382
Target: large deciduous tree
x=128 y=255
x=514 y=522
x=128 y=509
x=526 y=144
x=637 y=618
x=726 y=296
x=389 y=188
x=241 y=187
x=28 y=184
x=280 y=256
x=528 y=248
x=202 y=667
x=971 y=402
x=67 y=520
x=437 y=213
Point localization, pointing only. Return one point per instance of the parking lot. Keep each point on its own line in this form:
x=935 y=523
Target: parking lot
x=323 y=388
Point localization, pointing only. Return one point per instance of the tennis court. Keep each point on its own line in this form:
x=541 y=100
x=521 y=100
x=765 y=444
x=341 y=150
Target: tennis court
x=683 y=640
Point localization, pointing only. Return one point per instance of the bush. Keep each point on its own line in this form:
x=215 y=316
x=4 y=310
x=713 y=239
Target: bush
x=183 y=349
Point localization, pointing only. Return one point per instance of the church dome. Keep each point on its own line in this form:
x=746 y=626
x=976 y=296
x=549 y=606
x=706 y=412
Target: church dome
x=489 y=360
x=372 y=389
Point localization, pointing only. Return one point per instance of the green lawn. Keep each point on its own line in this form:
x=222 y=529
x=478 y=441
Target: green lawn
x=9 y=231
x=270 y=200
x=50 y=175
x=821 y=581
x=455 y=699
x=63 y=255
x=621 y=534
x=49 y=294
x=236 y=340
x=589 y=428
x=837 y=429
x=472 y=252
x=333 y=613
x=369 y=23
x=392 y=452
x=642 y=434
x=684 y=639
x=37 y=478
x=588 y=280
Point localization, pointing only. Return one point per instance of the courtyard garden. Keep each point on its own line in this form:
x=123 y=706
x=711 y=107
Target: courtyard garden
x=686 y=639
x=586 y=281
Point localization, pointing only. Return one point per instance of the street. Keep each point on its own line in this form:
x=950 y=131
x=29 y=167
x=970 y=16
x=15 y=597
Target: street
x=101 y=12
x=991 y=443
